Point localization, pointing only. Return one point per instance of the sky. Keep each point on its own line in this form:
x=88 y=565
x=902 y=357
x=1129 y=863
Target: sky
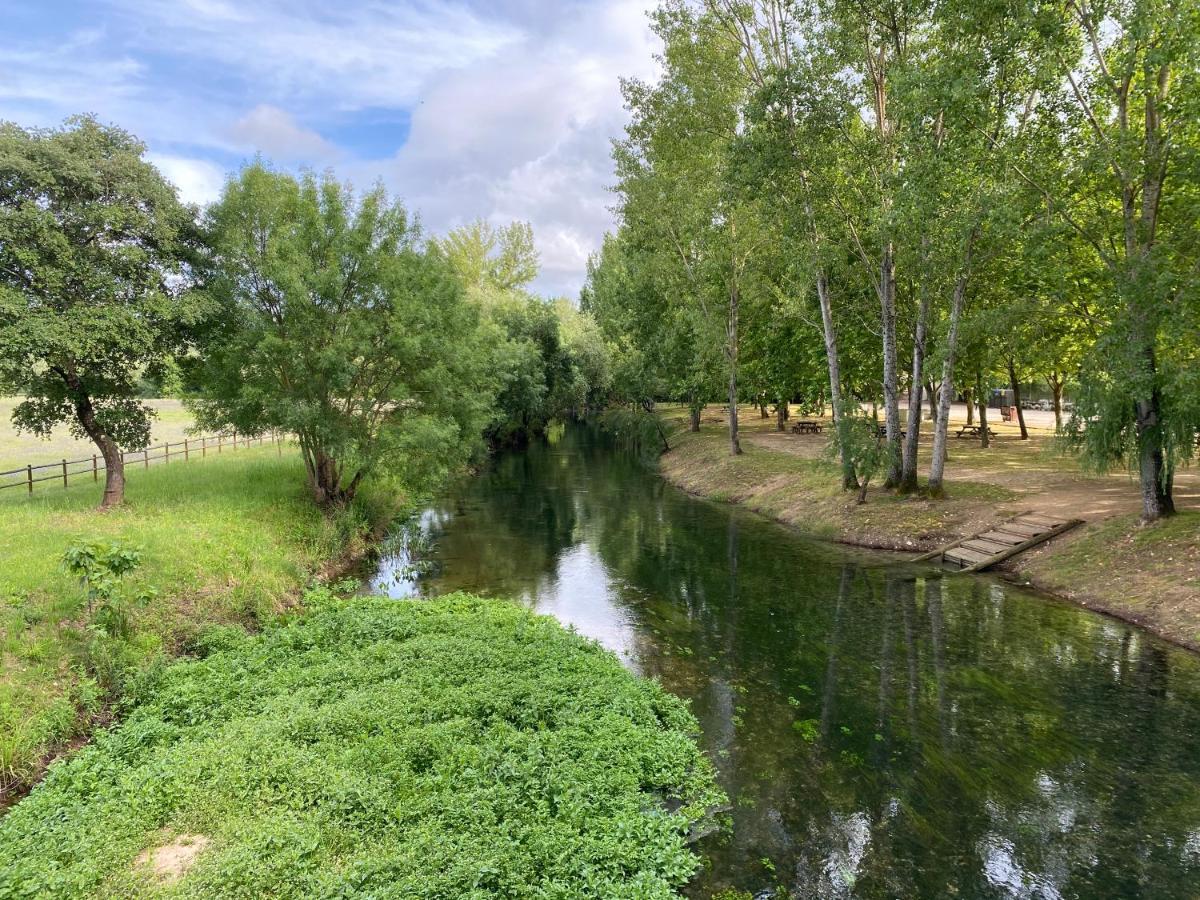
x=499 y=110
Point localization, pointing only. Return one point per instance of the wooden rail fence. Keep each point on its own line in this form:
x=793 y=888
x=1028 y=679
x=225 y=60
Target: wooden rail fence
x=181 y=451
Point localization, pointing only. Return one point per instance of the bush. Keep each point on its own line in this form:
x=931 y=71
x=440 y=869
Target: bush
x=456 y=748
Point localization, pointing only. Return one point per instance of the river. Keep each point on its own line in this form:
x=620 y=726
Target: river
x=881 y=731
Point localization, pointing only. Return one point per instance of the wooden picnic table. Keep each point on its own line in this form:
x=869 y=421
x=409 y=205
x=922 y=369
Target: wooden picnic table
x=973 y=431
x=881 y=431
x=808 y=426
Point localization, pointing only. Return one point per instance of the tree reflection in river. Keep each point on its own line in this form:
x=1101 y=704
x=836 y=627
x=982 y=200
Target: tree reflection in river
x=882 y=732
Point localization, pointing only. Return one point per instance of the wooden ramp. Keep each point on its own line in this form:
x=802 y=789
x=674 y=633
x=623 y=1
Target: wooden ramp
x=982 y=551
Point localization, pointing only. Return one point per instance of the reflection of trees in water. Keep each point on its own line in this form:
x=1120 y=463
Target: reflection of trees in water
x=879 y=736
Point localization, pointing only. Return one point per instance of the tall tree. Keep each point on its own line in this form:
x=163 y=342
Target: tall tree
x=94 y=283
x=1131 y=177
x=342 y=328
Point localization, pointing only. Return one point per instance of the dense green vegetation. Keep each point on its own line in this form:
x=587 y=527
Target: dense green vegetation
x=456 y=748
x=229 y=540
x=1006 y=188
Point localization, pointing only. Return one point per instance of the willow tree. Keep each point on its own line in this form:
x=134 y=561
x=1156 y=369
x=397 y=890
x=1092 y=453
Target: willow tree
x=341 y=327
x=1129 y=192
x=93 y=284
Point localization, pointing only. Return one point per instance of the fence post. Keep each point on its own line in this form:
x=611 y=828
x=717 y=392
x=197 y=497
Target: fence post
x=185 y=449
x=146 y=457
x=64 y=473
x=167 y=452
x=95 y=471
x=235 y=439
x=220 y=441
x=29 y=476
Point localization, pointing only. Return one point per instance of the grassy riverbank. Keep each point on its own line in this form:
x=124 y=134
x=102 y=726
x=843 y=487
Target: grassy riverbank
x=230 y=540
x=1150 y=575
x=444 y=749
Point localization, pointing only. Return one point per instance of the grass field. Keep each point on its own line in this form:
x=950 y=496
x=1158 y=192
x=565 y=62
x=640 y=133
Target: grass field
x=230 y=539
x=457 y=748
x=16 y=450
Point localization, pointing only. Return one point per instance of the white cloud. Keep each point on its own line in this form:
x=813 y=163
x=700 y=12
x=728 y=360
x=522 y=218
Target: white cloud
x=513 y=103
x=272 y=132
x=198 y=180
x=525 y=134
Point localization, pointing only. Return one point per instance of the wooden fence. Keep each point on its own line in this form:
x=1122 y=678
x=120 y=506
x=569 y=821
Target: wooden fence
x=179 y=451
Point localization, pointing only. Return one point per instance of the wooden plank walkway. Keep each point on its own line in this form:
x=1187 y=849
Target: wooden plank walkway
x=1004 y=541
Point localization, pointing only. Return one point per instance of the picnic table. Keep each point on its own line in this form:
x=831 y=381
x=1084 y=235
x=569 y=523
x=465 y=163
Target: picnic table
x=973 y=431
x=807 y=426
x=881 y=431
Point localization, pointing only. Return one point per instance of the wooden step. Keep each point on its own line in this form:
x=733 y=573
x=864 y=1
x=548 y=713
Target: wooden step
x=1026 y=531
x=1039 y=519
x=1002 y=537
x=991 y=548
x=965 y=557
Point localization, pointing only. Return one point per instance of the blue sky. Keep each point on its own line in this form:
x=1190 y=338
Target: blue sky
x=500 y=110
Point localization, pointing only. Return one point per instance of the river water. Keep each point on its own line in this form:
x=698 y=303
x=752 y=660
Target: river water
x=881 y=731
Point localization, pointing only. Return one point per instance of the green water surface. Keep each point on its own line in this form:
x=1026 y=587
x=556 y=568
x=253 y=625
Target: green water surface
x=881 y=731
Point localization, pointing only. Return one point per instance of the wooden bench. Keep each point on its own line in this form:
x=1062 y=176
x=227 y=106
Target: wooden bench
x=807 y=426
x=973 y=431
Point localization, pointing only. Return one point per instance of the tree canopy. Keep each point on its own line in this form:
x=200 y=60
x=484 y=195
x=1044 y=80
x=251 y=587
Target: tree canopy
x=95 y=283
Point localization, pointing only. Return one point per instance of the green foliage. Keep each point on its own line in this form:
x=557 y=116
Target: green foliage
x=456 y=748
x=342 y=328
x=101 y=568
x=94 y=281
x=857 y=440
x=637 y=430
x=230 y=540
x=549 y=359
x=486 y=256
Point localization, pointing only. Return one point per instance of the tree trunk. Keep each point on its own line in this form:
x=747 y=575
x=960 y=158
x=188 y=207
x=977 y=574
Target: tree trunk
x=849 y=482
x=781 y=412
x=981 y=399
x=969 y=395
x=891 y=393
x=1155 y=478
x=731 y=352
x=946 y=393
x=694 y=417
x=763 y=412
x=908 y=476
x=114 y=460
x=931 y=393
x=1016 y=389
x=1056 y=390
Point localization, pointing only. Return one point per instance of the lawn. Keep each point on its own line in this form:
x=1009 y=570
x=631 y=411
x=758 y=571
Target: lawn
x=457 y=748
x=171 y=423
x=229 y=539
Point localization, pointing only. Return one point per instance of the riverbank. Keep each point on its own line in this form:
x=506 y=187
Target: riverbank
x=233 y=540
x=450 y=748
x=1149 y=575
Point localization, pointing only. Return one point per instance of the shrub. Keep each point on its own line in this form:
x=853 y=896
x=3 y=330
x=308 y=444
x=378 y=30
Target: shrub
x=456 y=748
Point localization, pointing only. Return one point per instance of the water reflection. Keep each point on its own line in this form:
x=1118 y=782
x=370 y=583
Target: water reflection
x=880 y=734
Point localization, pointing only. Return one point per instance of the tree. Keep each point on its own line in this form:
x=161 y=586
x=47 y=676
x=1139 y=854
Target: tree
x=94 y=284
x=343 y=328
x=1131 y=198
x=483 y=255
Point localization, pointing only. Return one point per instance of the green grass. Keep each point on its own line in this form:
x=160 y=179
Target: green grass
x=224 y=540
x=1149 y=571
x=19 y=450
x=458 y=748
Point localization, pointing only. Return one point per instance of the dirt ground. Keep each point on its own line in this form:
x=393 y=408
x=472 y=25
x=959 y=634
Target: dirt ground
x=1146 y=574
